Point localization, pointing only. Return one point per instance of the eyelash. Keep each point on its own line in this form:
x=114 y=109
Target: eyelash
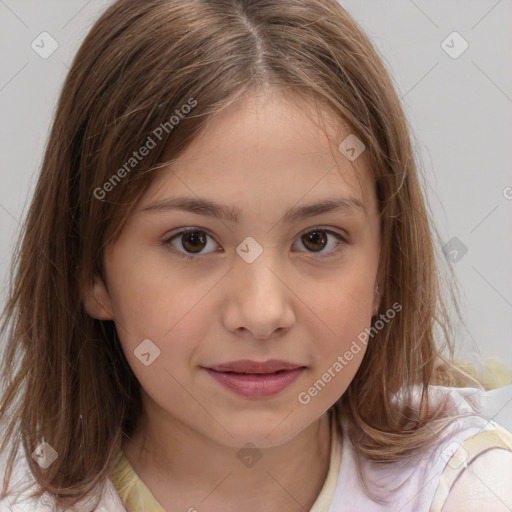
x=340 y=246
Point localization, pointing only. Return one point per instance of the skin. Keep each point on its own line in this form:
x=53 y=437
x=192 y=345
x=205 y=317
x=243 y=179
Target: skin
x=264 y=155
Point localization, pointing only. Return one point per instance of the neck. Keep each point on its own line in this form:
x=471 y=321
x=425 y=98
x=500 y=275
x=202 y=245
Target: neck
x=182 y=468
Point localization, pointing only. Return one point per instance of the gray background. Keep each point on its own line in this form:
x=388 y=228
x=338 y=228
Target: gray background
x=460 y=110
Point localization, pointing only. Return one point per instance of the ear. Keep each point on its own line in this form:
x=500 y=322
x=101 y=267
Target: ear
x=96 y=299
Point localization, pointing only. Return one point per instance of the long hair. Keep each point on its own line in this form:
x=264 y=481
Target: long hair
x=66 y=378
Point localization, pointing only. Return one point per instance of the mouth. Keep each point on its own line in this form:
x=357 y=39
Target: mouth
x=246 y=366
x=253 y=379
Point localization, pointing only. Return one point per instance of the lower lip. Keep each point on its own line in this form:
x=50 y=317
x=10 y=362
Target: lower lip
x=256 y=385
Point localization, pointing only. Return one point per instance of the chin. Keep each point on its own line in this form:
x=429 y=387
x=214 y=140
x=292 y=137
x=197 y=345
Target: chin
x=262 y=434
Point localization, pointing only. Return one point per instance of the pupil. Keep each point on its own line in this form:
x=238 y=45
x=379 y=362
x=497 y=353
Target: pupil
x=190 y=241
x=315 y=237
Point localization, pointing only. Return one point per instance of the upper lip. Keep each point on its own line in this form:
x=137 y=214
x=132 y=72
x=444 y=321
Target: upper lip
x=247 y=366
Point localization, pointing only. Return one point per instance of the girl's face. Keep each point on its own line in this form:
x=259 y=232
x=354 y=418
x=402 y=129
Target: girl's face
x=271 y=270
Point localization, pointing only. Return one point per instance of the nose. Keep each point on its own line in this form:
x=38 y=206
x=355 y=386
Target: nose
x=259 y=299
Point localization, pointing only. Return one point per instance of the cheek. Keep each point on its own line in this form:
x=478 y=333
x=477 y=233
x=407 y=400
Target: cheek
x=168 y=317
x=161 y=340
x=161 y=319
x=151 y=297
x=339 y=347
x=339 y=333
x=342 y=308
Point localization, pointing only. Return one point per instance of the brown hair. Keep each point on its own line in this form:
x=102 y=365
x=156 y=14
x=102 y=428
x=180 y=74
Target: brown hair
x=67 y=380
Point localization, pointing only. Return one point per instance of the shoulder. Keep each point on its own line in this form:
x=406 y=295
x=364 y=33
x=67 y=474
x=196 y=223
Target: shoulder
x=20 y=486
x=470 y=468
x=477 y=474
x=102 y=499
x=485 y=484
x=109 y=501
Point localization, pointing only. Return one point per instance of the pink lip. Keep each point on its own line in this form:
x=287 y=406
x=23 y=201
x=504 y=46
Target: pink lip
x=256 y=385
x=248 y=366
x=256 y=379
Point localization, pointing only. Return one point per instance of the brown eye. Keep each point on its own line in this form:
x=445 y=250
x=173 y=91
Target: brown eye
x=194 y=241
x=314 y=240
x=190 y=242
x=323 y=243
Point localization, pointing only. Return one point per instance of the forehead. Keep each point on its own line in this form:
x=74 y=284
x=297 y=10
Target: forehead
x=276 y=147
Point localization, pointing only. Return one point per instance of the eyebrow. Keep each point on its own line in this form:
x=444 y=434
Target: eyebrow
x=349 y=205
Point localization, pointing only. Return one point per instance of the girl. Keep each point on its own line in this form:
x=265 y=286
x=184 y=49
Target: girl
x=226 y=295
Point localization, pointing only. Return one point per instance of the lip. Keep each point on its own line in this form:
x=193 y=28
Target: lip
x=256 y=385
x=256 y=379
x=248 y=366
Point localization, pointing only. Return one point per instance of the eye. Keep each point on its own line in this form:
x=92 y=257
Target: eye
x=317 y=239
x=192 y=241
